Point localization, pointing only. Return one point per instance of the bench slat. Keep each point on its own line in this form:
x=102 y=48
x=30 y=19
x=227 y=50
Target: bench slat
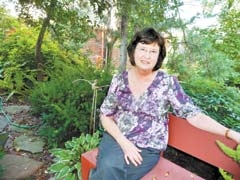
x=165 y=169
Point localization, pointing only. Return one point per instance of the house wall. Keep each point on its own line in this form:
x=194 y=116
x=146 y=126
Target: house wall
x=94 y=48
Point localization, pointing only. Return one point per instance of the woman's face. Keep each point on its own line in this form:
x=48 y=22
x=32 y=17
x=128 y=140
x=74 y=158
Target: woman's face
x=146 y=56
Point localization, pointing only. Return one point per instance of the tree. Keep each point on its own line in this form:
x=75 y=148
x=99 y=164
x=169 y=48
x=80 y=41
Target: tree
x=230 y=25
x=123 y=49
x=66 y=19
x=227 y=35
x=136 y=14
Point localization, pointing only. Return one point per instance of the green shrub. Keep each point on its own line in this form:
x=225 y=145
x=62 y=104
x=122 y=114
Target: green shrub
x=65 y=107
x=218 y=101
x=67 y=161
x=18 y=68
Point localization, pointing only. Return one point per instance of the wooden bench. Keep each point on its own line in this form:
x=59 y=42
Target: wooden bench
x=186 y=138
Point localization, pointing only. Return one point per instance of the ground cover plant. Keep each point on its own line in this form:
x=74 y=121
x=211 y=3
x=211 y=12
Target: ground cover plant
x=66 y=160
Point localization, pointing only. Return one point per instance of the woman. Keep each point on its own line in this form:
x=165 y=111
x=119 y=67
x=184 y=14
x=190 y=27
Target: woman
x=134 y=114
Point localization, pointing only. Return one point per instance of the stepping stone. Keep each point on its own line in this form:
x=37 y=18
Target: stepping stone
x=16 y=109
x=18 y=167
x=31 y=144
x=3 y=123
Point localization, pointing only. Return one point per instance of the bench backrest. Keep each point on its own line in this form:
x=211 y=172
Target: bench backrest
x=201 y=144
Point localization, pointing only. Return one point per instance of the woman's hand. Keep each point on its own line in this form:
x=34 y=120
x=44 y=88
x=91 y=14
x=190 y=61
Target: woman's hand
x=131 y=152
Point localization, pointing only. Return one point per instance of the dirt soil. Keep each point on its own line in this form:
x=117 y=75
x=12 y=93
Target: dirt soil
x=194 y=165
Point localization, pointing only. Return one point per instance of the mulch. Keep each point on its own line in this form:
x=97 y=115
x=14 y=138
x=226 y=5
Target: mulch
x=193 y=164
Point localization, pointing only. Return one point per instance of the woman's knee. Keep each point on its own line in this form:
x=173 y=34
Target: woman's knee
x=109 y=161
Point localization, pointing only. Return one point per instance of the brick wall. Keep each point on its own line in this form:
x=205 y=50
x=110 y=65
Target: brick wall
x=94 y=48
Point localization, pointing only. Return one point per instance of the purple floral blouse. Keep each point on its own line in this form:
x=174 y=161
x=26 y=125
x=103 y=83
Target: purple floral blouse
x=144 y=121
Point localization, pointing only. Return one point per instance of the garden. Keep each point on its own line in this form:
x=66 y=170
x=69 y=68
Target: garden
x=45 y=63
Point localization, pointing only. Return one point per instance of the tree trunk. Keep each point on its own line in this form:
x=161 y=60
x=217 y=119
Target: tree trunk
x=38 y=54
x=109 y=51
x=38 y=49
x=123 y=49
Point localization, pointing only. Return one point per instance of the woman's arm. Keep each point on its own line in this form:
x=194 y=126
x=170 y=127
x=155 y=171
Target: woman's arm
x=206 y=123
x=131 y=152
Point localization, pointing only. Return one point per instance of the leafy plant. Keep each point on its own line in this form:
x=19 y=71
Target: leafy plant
x=216 y=100
x=18 y=72
x=65 y=107
x=67 y=163
x=234 y=154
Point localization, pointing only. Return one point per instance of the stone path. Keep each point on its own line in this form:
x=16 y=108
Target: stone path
x=20 y=143
x=19 y=167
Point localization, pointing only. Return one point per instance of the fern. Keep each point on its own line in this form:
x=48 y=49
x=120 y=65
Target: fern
x=225 y=175
x=234 y=154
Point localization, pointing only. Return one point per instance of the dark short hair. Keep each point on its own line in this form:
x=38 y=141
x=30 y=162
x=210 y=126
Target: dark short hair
x=147 y=36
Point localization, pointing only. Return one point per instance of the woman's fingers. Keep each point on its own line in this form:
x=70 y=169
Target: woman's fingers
x=126 y=159
x=133 y=156
x=131 y=152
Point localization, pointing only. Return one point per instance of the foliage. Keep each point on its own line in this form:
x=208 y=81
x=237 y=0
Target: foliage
x=205 y=71
x=234 y=154
x=18 y=69
x=218 y=101
x=69 y=21
x=65 y=107
x=230 y=24
x=201 y=56
x=67 y=163
x=225 y=175
x=224 y=36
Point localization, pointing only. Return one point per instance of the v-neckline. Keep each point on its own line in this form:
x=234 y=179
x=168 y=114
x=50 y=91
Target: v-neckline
x=146 y=91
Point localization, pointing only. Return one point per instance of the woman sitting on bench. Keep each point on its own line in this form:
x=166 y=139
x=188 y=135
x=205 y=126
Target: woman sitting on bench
x=134 y=113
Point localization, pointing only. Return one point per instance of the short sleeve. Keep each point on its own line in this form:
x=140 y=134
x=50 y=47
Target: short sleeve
x=181 y=103
x=109 y=105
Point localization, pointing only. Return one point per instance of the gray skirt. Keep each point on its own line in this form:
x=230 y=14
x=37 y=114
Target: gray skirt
x=111 y=164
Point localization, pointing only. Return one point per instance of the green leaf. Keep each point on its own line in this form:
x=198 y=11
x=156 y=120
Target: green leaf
x=70 y=177
x=57 y=167
x=61 y=153
x=78 y=167
x=64 y=172
x=70 y=144
x=225 y=175
x=228 y=151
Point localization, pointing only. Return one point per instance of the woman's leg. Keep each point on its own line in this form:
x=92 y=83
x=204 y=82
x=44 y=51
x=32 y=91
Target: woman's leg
x=150 y=159
x=112 y=166
x=110 y=161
